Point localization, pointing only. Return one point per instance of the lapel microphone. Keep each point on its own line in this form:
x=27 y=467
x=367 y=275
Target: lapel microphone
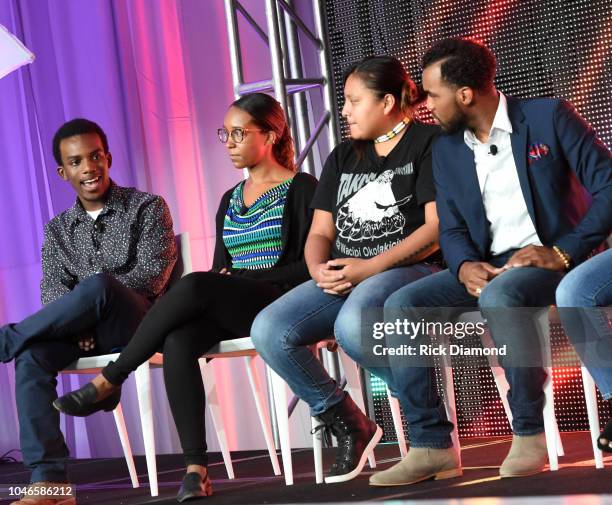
x=493 y=150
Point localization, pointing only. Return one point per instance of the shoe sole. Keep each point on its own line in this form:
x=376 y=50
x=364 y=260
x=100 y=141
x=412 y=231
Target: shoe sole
x=85 y=413
x=191 y=496
x=95 y=407
x=526 y=474
x=445 y=474
x=369 y=449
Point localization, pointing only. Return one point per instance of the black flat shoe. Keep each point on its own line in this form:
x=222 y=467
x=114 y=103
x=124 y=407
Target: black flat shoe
x=607 y=434
x=194 y=487
x=82 y=402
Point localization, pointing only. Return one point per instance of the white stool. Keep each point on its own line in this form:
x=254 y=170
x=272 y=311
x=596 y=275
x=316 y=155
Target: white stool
x=240 y=347
x=553 y=438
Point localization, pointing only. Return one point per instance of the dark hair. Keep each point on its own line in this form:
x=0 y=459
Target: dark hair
x=77 y=126
x=386 y=75
x=465 y=62
x=268 y=115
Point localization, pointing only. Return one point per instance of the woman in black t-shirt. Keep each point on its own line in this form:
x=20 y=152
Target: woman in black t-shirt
x=374 y=230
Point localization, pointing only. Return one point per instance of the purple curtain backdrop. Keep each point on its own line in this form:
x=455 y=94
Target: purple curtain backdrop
x=155 y=75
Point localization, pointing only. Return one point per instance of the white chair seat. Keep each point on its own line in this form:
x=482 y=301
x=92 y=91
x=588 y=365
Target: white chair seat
x=232 y=348
x=94 y=364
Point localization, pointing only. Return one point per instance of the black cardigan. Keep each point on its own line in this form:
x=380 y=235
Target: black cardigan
x=290 y=269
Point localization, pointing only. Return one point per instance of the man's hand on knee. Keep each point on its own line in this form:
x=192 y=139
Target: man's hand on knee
x=475 y=275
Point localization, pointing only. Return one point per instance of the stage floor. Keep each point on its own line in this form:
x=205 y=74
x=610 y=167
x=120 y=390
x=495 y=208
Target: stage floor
x=106 y=481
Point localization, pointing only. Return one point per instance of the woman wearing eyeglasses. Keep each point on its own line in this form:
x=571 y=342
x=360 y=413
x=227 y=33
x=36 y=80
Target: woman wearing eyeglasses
x=261 y=226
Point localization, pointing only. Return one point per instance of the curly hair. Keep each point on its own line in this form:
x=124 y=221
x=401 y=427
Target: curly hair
x=268 y=115
x=464 y=63
x=386 y=75
x=77 y=126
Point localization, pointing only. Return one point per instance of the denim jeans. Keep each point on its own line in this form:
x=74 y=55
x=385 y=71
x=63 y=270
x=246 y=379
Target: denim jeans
x=43 y=344
x=306 y=315
x=585 y=288
x=416 y=386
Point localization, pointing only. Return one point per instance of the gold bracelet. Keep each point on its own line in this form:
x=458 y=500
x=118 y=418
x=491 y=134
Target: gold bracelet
x=565 y=258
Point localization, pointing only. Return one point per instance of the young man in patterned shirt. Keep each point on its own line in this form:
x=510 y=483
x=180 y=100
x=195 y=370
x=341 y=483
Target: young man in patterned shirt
x=105 y=261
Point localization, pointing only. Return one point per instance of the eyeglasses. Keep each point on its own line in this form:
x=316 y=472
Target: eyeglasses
x=237 y=134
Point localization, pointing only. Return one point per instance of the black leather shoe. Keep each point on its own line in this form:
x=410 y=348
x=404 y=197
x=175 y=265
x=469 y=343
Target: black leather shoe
x=82 y=402
x=194 y=487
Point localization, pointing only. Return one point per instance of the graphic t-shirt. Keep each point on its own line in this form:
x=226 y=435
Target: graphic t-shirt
x=377 y=201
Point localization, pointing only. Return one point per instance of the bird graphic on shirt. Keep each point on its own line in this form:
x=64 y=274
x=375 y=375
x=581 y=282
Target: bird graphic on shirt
x=372 y=212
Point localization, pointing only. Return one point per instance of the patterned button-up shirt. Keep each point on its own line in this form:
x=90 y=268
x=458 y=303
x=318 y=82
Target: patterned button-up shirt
x=131 y=239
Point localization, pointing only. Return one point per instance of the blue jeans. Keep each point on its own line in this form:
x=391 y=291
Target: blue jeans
x=585 y=288
x=43 y=344
x=306 y=315
x=416 y=386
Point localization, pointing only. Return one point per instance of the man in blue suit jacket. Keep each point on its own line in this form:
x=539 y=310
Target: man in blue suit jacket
x=512 y=178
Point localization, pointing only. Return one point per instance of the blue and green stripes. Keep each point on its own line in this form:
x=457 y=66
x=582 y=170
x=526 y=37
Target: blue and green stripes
x=253 y=236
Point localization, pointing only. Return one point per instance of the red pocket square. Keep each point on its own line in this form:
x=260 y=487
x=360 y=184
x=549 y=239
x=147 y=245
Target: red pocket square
x=537 y=151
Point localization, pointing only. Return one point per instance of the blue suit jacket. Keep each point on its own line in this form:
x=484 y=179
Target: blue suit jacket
x=553 y=186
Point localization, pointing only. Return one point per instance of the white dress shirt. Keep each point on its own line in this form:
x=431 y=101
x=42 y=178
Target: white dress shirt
x=510 y=224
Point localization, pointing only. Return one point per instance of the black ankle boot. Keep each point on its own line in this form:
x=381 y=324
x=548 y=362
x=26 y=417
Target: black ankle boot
x=607 y=435
x=357 y=437
x=82 y=402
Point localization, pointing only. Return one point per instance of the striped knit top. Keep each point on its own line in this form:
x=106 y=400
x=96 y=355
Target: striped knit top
x=252 y=236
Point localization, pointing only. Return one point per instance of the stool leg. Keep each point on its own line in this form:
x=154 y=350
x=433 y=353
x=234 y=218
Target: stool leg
x=282 y=419
x=216 y=414
x=317 y=450
x=590 y=396
x=550 y=420
x=262 y=410
x=125 y=444
x=145 y=404
x=397 y=423
x=550 y=423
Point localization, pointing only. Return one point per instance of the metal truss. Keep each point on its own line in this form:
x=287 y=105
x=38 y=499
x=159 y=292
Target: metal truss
x=288 y=81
